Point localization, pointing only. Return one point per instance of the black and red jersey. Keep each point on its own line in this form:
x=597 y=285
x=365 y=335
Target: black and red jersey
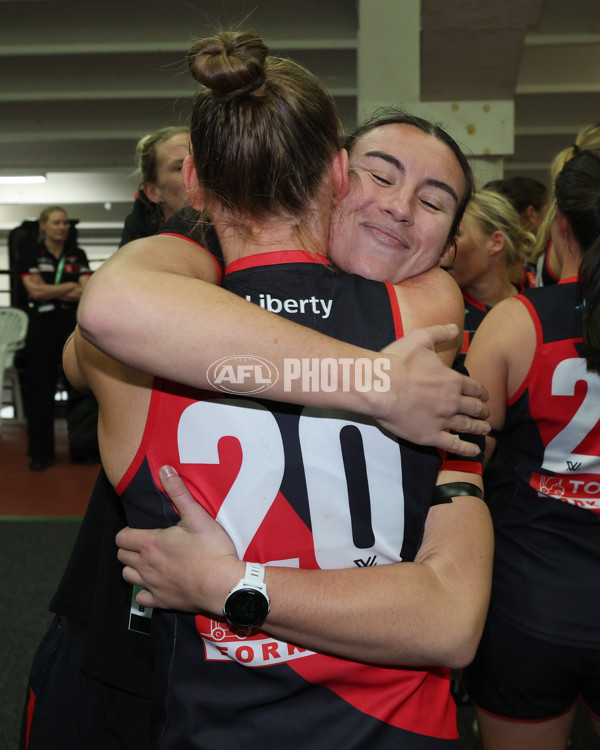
x=548 y=529
x=299 y=487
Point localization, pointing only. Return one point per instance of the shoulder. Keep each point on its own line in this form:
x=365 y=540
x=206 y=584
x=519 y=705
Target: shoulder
x=431 y=298
x=168 y=253
x=505 y=341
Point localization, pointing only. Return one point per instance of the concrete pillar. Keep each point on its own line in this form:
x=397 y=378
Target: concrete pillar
x=389 y=75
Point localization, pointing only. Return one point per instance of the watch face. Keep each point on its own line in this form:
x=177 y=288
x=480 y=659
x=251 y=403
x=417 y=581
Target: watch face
x=246 y=608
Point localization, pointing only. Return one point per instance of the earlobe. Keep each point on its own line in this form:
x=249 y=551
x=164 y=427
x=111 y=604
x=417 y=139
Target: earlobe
x=191 y=183
x=448 y=256
x=152 y=193
x=496 y=242
x=340 y=175
x=562 y=223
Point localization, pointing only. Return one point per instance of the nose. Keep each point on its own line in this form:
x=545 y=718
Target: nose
x=399 y=205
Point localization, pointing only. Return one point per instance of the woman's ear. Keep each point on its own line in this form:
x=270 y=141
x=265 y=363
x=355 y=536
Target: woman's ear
x=340 y=174
x=192 y=184
x=152 y=193
x=496 y=242
x=562 y=223
x=448 y=256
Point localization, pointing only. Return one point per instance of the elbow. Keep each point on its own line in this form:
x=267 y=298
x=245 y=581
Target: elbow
x=97 y=312
x=89 y=318
x=462 y=654
x=463 y=641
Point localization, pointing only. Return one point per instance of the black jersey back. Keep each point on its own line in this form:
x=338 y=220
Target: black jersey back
x=293 y=486
x=548 y=528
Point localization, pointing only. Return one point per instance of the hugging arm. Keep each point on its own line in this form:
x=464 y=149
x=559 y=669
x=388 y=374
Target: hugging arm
x=430 y=611
x=155 y=306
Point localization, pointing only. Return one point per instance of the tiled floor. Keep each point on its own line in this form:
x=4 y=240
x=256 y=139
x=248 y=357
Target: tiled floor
x=62 y=490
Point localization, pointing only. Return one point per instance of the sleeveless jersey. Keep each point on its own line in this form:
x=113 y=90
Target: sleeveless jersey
x=293 y=486
x=475 y=312
x=547 y=563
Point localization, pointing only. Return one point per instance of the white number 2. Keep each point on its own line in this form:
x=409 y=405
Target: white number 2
x=559 y=453
x=258 y=482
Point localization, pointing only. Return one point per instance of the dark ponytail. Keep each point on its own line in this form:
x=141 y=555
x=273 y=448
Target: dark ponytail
x=578 y=198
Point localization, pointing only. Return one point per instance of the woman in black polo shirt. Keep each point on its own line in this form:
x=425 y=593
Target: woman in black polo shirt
x=54 y=274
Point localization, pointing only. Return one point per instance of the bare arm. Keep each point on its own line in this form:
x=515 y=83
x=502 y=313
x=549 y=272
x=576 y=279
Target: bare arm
x=74 y=295
x=39 y=290
x=167 y=285
x=427 y=612
x=500 y=356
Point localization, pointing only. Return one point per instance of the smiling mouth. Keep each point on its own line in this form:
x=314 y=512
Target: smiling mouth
x=386 y=236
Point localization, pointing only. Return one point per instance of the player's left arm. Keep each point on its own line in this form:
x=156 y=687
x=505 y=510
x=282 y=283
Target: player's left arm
x=429 y=611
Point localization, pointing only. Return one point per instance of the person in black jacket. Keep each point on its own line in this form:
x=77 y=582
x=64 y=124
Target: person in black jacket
x=161 y=192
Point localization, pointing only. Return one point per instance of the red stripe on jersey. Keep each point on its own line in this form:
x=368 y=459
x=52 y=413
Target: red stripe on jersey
x=397 y=315
x=475 y=302
x=539 y=335
x=415 y=700
x=276 y=258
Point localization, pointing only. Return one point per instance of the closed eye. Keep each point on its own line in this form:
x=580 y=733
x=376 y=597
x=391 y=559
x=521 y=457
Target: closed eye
x=430 y=205
x=382 y=180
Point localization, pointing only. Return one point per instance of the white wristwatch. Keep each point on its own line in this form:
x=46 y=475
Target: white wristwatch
x=247 y=604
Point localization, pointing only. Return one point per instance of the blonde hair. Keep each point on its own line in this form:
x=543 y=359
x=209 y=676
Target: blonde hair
x=493 y=212
x=587 y=138
x=45 y=214
x=145 y=151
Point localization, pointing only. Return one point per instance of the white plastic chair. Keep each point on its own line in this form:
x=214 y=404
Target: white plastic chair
x=13 y=328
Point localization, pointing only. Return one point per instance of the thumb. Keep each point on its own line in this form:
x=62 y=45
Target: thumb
x=192 y=514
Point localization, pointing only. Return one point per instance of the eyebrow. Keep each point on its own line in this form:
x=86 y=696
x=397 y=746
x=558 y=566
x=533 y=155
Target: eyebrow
x=400 y=167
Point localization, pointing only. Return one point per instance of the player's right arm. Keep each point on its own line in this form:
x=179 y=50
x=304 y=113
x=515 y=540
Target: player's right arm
x=155 y=305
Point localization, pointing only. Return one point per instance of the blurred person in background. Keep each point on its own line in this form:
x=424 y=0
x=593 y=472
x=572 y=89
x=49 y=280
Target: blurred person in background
x=161 y=192
x=54 y=274
x=490 y=241
x=548 y=263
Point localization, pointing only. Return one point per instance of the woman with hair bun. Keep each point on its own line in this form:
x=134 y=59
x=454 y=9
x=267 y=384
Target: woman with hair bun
x=539 y=356
x=368 y=566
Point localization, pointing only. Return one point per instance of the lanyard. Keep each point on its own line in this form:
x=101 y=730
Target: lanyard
x=59 y=269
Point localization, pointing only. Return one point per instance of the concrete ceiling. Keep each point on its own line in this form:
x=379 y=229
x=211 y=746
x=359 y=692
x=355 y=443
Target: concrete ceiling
x=82 y=80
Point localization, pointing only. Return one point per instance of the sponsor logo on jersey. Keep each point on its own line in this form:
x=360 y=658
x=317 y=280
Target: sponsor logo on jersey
x=314 y=305
x=248 y=647
x=582 y=490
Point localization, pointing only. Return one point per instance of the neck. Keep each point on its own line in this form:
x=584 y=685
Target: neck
x=267 y=237
x=570 y=269
x=54 y=247
x=569 y=257
x=491 y=289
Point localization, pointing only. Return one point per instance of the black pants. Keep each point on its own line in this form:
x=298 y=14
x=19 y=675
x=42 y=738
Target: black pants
x=46 y=337
x=67 y=710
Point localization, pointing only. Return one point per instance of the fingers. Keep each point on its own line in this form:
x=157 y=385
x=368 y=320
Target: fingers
x=129 y=539
x=452 y=443
x=131 y=575
x=471 y=387
x=469 y=407
x=190 y=511
x=430 y=337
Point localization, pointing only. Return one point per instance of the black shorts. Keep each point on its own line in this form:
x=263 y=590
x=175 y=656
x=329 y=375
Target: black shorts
x=516 y=676
x=66 y=709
